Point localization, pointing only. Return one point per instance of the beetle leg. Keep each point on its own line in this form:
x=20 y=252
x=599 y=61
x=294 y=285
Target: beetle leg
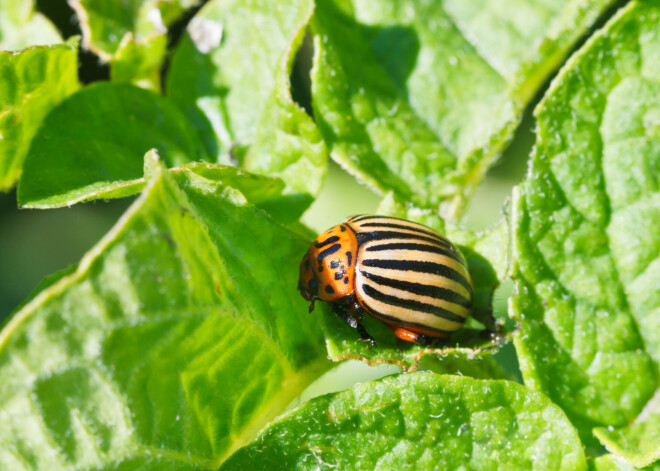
x=425 y=340
x=345 y=316
x=366 y=336
x=355 y=323
x=356 y=309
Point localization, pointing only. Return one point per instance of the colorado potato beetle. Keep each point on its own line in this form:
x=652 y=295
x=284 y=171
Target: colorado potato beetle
x=400 y=272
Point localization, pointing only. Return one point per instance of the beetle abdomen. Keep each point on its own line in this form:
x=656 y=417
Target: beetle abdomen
x=409 y=275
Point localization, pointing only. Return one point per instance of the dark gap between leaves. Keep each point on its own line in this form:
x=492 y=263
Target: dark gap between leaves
x=514 y=160
x=90 y=67
x=519 y=141
x=301 y=79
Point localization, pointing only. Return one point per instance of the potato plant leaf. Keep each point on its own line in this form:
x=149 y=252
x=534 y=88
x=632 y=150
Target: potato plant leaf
x=463 y=364
x=32 y=82
x=419 y=98
x=94 y=142
x=586 y=224
x=471 y=342
x=612 y=462
x=169 y=346
x=419 y=421
x=131 y=35
x=22 y=27
x=140 y=63
x=230 y=75
x=639 y=442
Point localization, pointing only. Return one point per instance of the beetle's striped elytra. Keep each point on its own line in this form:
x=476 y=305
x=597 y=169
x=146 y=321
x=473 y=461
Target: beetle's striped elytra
x=400 y=272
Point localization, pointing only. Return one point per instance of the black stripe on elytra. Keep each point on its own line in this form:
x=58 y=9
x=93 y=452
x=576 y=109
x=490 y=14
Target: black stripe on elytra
x=417 y=247
x=412 y=304
x=404 y=227
x=363 y=237
x=329 y=251
x=399 y=323
x=436 y=292
x=363 y=217
x=328 y=241
x=421 y=267
x=402 y=323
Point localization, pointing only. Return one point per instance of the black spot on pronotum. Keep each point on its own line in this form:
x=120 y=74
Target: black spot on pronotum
x=340 y=273
x=328 y=241
x=342 y=228
x=349 y=256
x=329 y=251
x=329 y=289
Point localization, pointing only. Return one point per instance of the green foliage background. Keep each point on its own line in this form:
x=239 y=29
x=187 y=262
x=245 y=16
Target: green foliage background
x=171 y=336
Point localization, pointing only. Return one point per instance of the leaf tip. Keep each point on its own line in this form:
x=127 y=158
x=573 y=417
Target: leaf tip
x=151 y=164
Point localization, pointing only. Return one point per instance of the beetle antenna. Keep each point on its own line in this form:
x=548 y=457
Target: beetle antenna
x=311 y=305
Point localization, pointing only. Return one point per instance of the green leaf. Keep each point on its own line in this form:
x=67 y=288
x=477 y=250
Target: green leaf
x=140 y=63
x=95 y=141
x=169 y=346
x=264 y=192
x=132 y=35
x=586 y=225
x=45 y=283
x=614 y=463
x=419 y=98
x=21 y=26
x=421 y=421
x=106 y=24
x=230 y=75
x=638 y=443
x=32 y=82
x=471 y=342
x=458 y=363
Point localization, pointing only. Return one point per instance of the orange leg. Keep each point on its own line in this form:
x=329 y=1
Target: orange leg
x=403 y=334
x=410 y=336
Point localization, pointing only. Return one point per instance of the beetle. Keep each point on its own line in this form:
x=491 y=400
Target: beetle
x=403 y=273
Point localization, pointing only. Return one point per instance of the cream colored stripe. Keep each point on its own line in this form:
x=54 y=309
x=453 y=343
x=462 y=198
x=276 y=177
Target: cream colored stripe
x=416 y=277
x=401 y=240
x=403 y=294
x=407 y=315
x=414 y=255
x=399 y=222
x=402 y=230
